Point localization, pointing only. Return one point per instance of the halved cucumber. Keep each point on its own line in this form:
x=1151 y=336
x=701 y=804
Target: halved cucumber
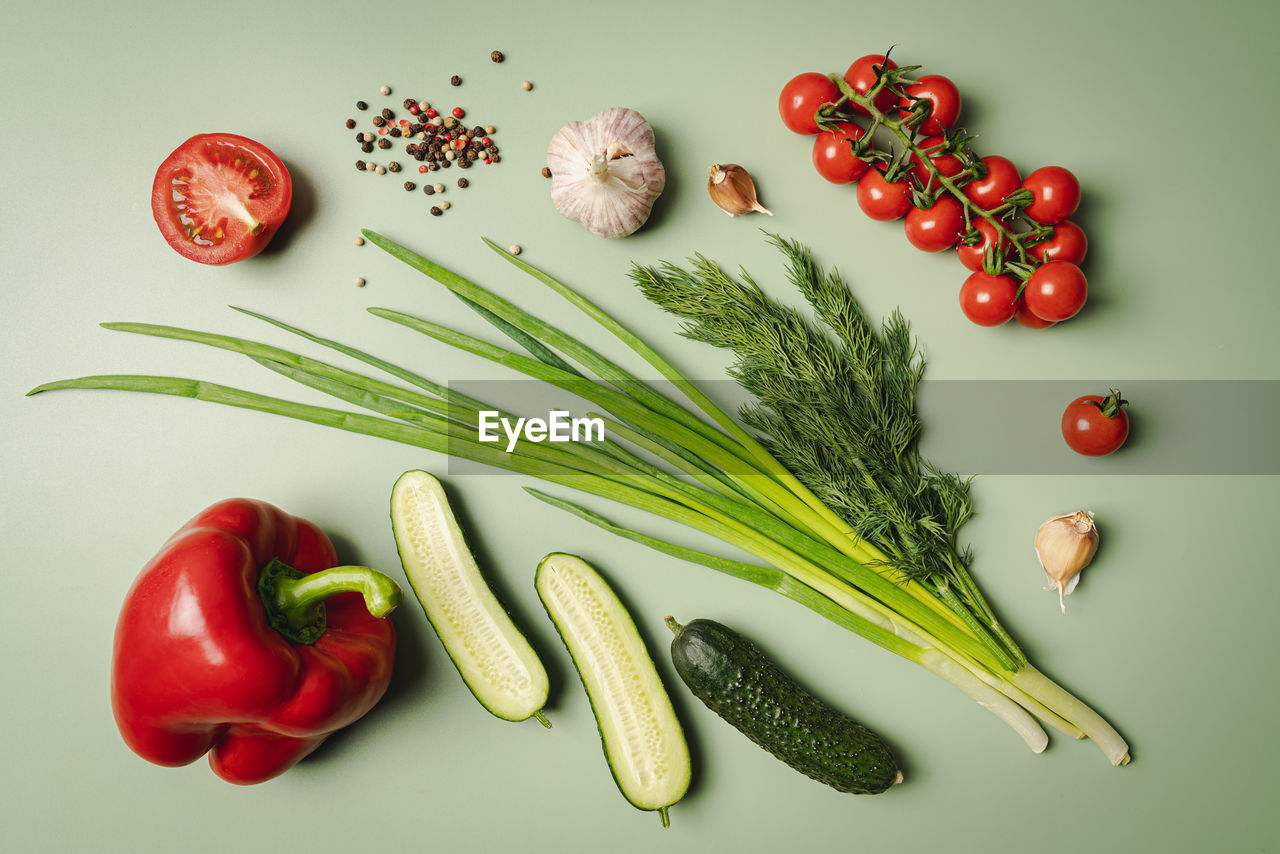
x=494 y=658
x=642 y=738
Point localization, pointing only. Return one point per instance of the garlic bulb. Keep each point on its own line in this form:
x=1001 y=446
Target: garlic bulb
x=1065 y=545
x=605 y=173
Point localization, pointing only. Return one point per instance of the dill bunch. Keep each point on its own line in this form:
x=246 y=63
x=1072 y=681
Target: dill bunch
x=835 y=402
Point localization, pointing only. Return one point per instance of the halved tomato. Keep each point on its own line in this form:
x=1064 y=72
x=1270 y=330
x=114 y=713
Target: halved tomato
x=220 y=197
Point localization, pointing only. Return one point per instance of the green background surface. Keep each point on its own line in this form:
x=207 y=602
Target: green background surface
x=1163 y=109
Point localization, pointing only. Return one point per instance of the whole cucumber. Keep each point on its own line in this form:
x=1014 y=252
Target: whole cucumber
x=737 y=681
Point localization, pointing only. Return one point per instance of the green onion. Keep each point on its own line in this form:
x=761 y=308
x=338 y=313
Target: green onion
x=722 y=482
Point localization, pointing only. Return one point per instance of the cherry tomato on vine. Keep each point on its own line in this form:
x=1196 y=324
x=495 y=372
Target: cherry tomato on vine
x=944 y=100
x=801 y=98
x=1023 y=315
x=936 y=227
x=1066 y=243
x=861 y=76
x=884 y=200
x=1002 y=178
x=219 y=197
x=833 y=154
x=988 y=300
x=948 y=164
x=971 y=255
x=1094 y=425
x=1055 y=194
x=1056 y=291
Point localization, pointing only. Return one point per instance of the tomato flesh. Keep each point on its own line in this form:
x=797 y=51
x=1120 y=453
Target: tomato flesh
x=219 y=198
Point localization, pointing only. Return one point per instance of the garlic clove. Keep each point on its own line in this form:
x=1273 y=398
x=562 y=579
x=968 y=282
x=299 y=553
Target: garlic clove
x=1065 y=545
x=732 y=189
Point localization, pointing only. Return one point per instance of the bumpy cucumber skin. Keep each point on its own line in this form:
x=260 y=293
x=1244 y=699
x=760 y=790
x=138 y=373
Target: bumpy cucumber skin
x=735 y=679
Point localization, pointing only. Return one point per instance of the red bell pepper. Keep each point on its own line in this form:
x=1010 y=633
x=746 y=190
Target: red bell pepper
x=241 y=639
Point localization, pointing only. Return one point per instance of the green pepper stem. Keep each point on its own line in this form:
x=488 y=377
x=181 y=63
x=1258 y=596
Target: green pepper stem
x=295 y=601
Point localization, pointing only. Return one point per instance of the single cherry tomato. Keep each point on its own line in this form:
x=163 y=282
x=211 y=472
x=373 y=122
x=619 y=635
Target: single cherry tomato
x=1055 y=195
x=1066 y=243
x=971 y=254
x=801 y=98
x=944 y=100
x=948 y=164
x=1094 y=425
x=1023 y=315
x=220 y=197
x=884 y=200
x=861 y=76
x=1001 y=179
x=988 y=300
x=833 y=154
x=1056 y=291
x=937 y=227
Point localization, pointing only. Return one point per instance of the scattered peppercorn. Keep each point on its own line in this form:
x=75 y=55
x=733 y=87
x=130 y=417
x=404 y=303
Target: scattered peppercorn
x=386 y=90
x=393 y=166
x=409 y=103
x=435 y=211
x=381 y=170
x=546 y=171
x=490 y=129
x=379 y=121
x=422 y=169
x=395 y=131
x=368 y=137
x=439 y=188
x=497 y=56
x=410 y=186
x=526 y=85
x=360 y=166
x=429 y=189
x=444 y=206
x=458 y=112
x=388 y=114
x=455 y=80
x=462 y=183
x=464 y=162
x=366 y=147
x=514 y=249
x=384 y=143
x=351 y=123
x=361 y=105
x=359 y=282
x=359 y=240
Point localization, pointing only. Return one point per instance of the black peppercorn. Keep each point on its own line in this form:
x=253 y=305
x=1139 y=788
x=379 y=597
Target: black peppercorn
x=473 y=155
x=366 y=147
x=379 y=121
x=393 y=166
x=361 y=105
x=462 y=182
x=409 y=102
x=408 y=185
x=395 y=131
x=432 y=167
x=428 y=189
x=455 y=80
x=387 y=114
x=359 y=137
x=360 y=166
x=464 y=163
x=351 y=123
x=435 y=211
x=497 y=56
x=546 y=171
x=384 y=143
x=493 y=158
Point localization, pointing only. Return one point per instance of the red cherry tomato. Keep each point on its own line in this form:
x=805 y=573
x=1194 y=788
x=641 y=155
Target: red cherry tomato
x=1001 y=179
x=971 y=255
x=801 y=98
x=944 y=100
x=937 y=227
x=947 y=164
x=988 y=300
x=833 y=154
x=220 y=197
x=1066 y=243
x=1055 y=195
x=884 y=200
x=862 y=76
x=1056 y=291
x=1094 y=425
x=1023 y=315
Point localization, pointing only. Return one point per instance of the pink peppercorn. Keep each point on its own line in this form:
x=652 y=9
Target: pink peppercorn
x=458 y=112
x=486 y=142
x=382 y=131
x=422 y=168
x=431 y=113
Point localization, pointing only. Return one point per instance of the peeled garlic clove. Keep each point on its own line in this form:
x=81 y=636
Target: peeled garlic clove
x=1065 y=545
x=605 y=172
x=732 y=189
